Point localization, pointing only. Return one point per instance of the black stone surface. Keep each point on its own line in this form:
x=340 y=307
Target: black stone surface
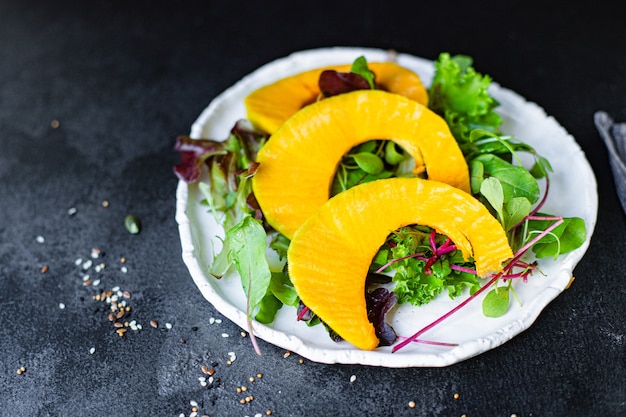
x=124 y=78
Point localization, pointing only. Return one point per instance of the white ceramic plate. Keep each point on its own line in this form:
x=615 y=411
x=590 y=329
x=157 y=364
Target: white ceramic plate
x=572 y=193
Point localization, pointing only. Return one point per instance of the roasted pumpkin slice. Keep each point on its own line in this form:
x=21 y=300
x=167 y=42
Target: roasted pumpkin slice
x=331 y=252
x=299 y=161
x=269 y=106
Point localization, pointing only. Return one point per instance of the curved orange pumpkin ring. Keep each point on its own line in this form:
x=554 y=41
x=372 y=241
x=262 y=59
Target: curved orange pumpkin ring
x=270 y=106
x=299 y=161
x=331 y=252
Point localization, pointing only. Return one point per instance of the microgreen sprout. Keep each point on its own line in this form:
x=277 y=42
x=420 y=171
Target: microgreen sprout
x=512 y=263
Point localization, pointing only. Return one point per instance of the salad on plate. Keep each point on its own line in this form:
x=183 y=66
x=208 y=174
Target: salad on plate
x=349 y=191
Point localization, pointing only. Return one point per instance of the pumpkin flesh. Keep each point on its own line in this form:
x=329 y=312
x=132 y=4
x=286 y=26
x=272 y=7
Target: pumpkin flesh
x=298 y=163
x=331 y=252
x=270 y=106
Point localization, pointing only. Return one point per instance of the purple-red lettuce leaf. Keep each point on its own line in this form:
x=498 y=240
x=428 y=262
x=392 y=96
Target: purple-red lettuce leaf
x=379 y=302
x=193 y=154
x=332 y=83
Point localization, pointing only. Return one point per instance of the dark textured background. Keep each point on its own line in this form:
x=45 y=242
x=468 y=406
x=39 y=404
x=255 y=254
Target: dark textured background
x=124 y=78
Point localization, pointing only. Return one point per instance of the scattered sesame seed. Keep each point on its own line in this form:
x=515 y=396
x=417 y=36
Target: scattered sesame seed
x=72 y=211
x=193 y=403
x=124 y=270
x=251 y=379
x=286 y=354
x=44 y=269
x=96 y=283
x=243 y=334
x=456 y=396
x=40 y=239
x=62 y=306
x=154 y=324
x=353 y=378
x=92 y=350
x=412 y=404
x=105 y=203
x=87 y=264
x=78 y=261
x=259 y=376
x=168 y=326
x=212 y=320
x=301 y=361
x=21 y=370
x=268 y=413
x=218 y=321
x=225 y=335
x=55 y=124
